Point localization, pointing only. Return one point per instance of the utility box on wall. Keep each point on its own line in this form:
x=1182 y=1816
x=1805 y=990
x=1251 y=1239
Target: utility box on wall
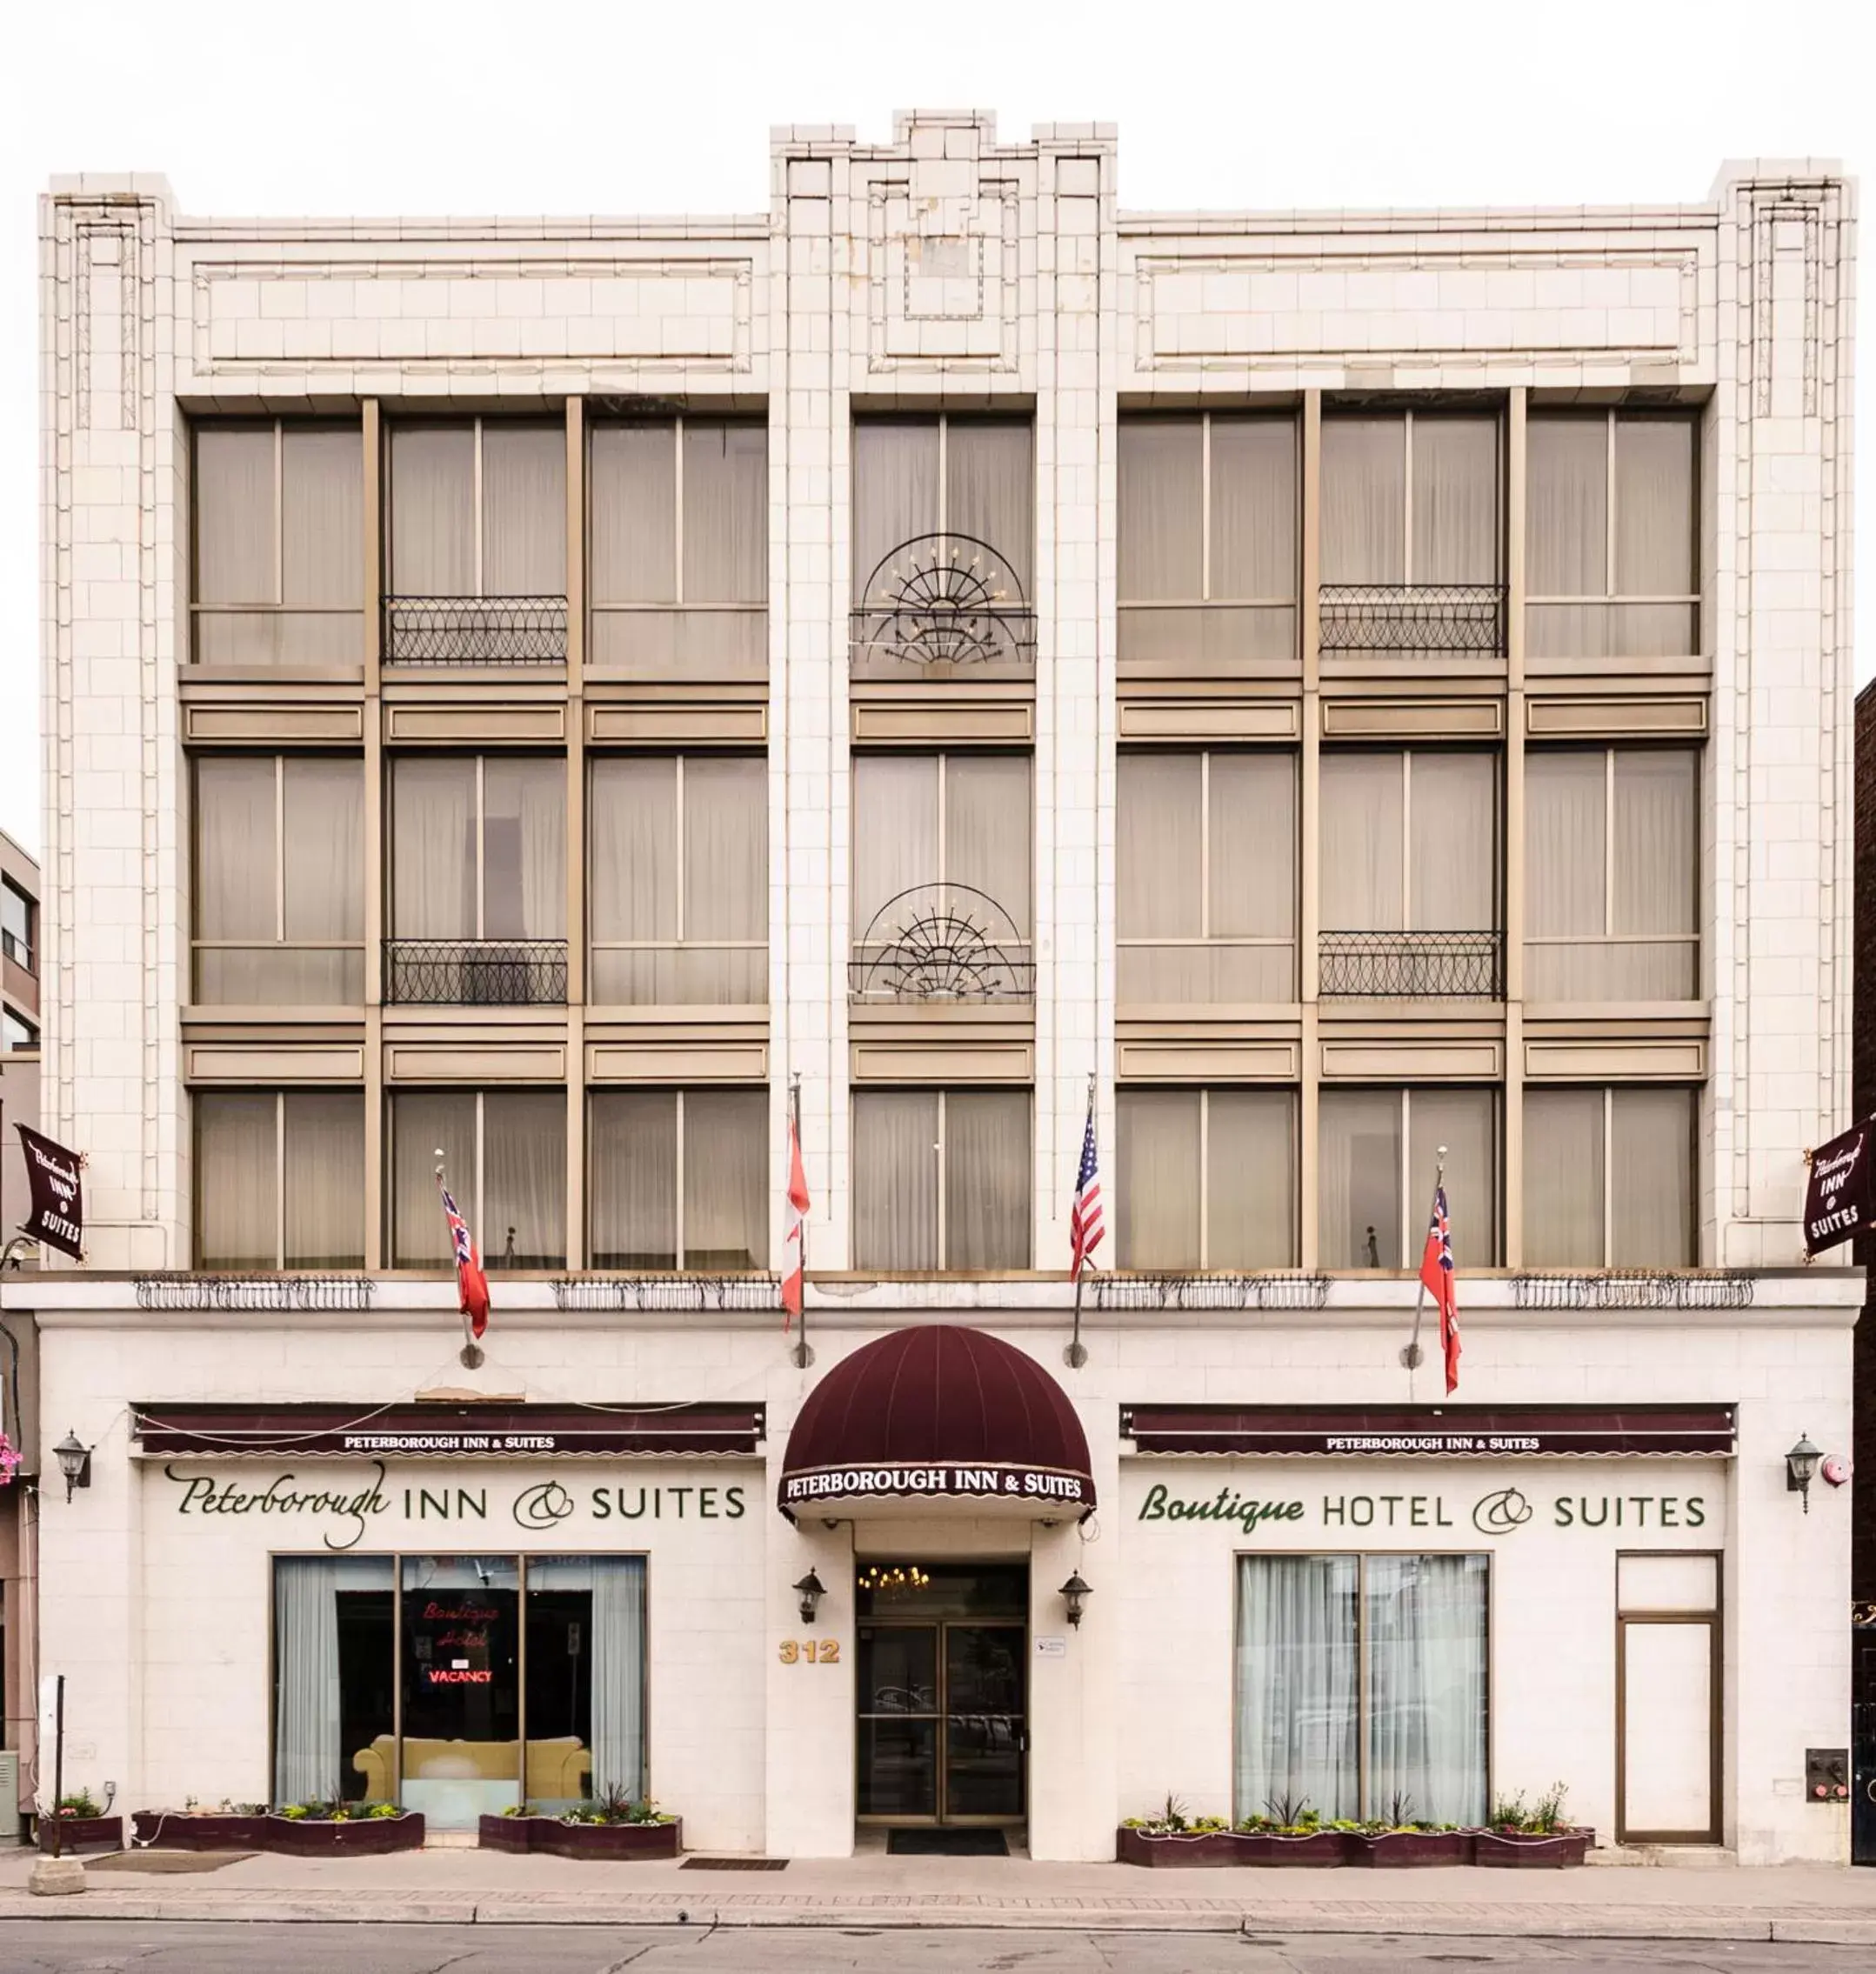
x=8 y=1796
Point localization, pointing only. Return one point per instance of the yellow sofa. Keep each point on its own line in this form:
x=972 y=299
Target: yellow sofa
x=556 y=1768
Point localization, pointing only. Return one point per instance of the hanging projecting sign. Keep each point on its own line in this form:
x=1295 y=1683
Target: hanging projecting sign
x=56 y=1218
x=1837 y=1191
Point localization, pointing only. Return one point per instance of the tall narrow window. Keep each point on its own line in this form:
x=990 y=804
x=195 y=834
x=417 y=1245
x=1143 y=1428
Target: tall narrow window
x=678 y=1179
x=1379 y=1153
x=278 y=1178
x=478 y=879
x=505 y=1153
x=17 y=915
x=279 y=880
x=941 y=876
x=1208 y=542
x=279 y=545
x=1410 y=874
x=1207 y=861
x=943 y=538
x=941 y=1180
x=1205 y=1179
x=677 y=566
x=1611 y=839
x=1610 y=1177
x=1611 y=534
x=1361 y=1686
x=335 y=1718
x=680 y=879
x=476 y=518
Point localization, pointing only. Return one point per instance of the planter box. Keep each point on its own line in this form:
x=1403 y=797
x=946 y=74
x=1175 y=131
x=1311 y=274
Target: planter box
x=1201 y=1848
x=183 y=1829
x=363 y=1837
x=1316 y=1851
x=548 y=1837
x=1529 y=1853
x=82 y=1833
x=1407 y=1849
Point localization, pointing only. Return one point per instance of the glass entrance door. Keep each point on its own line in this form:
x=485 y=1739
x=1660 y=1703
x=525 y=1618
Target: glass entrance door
x=942 y=1730
x=461 y=1749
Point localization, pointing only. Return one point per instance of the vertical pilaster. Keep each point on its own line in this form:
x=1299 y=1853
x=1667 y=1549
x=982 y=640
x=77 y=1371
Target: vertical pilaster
x=1308 y=900
x=1514 y=826
x=576 y=731
x=376 y=866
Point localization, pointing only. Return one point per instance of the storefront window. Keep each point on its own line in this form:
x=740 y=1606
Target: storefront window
x=459 y=1685
x=1361 y=1686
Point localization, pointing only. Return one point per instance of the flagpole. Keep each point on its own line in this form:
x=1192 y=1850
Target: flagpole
x=471 y=1355
x=1413 y=1357
x=1077 y=1353
x=802 y=1356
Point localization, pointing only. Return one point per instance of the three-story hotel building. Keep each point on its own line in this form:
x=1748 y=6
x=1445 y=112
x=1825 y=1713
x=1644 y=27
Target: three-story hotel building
x=1365 y=694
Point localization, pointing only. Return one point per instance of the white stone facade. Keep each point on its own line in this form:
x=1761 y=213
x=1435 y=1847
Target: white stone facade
x=943 y=270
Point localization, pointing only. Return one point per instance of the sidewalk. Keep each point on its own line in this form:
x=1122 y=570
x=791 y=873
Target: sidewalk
x=1812 y=1904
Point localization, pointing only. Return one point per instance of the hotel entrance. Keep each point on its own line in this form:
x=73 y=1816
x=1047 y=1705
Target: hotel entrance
x=941 y=1692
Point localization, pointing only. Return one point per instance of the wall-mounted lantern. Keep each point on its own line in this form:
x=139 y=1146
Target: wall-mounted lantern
x=811 y=1589
x=1800 y=1463
x=74 y=1462
x=1075 y=1593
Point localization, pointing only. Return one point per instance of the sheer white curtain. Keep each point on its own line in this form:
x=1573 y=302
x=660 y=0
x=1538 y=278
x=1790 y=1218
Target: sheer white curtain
x=725 y=1163
x=990 y=490
x=1466 y=1122
x=1423 y=1620
x=1254 y=487
x=1655 y=544
x=1364 y=499
x=895 y=829
x=421 y=1122
x=1297 y=1685
x=988 y=825
x=1566 y=532
x=725 y=545
x=236 y=873
x=633 y=879
x=323 y=855
x=321 y=544
x=433 y=511
x=523 y=1200
x=632 y=498
x=523 y=509
x=1455 y=500
x=618 y=1674
x=1564 y=1178
x=1253 y=874
x=1566 y=873
x=1159 y=865
x=726 y=877
x=325 y=1136
x=1361 y=810
x=632 y=1204
x=895 y=1175
x=895 y=492
x=1156 y=1178
x=1161 y=475
x=238 y=1179
x=1250 y=1178
x=1358 y=1183
x=433 y=847
x=1652 y=1178
x=235 y=515
x=307 y=1755
x=1656 y=829
x=986 y=1179
x=523 y=847
x=1452 y=865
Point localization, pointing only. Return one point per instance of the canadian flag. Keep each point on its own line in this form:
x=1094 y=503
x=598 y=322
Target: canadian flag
x=793 y=1239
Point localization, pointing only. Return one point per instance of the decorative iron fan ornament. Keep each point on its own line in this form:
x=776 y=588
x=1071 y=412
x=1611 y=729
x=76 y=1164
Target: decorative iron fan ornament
x=946 y=600
x=943 y=943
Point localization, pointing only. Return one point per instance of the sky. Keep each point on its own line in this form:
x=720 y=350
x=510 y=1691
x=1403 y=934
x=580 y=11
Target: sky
x=466 y=107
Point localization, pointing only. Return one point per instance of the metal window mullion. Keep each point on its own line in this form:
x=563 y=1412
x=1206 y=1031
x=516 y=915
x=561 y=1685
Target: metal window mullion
x=944 y=858
x=1361 y=1686
x=280 y=1178
x=1608 y=1177
x=1406 y=1176
x=677 y=1194
x=1406 y=498
x=481 y=763
x=683 y=848
x=1407 y=900
x=280 y=519
x=1608 y=546
x=1204 y=1178
x=1608 y=843
x=1205 y=844
x=676 y=532
x=476 y=503
x=938 y=1152
x=280 y=848
x=944 y=476
x=1205 y=506
x=482 y=1203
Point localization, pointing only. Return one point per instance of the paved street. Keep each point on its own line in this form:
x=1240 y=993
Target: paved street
x=81 y=1946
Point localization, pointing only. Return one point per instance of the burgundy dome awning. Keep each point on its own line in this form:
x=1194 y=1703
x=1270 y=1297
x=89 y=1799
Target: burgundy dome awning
x=938 y=1417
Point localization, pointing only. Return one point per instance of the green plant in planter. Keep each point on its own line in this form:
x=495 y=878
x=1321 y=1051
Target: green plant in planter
x=1291 y=1816
x=380 y=1812
x=617 y=1806
x=1511 y=1817
x=79 y=1803
x=1169 y=1820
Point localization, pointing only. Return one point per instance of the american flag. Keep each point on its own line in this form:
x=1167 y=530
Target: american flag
x=1085 y=1217
x=472 y=1285
x=1437 y=1278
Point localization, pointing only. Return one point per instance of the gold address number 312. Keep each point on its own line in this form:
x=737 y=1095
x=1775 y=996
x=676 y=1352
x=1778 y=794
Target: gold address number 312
x=809 y=1651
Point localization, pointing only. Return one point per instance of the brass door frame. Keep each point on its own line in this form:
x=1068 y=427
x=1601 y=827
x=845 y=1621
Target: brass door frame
x=943 y=1627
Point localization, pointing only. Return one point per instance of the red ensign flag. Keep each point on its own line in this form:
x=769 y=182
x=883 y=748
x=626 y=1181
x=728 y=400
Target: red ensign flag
x=1437 y=1274
x=791 y=1241
x=471 y=1285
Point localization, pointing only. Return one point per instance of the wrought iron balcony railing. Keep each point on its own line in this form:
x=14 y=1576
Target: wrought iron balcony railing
x=476 y=973
x=475 y=630
x=940 y=603
x=1414 y=965
x=1413 y=618
x=941 y=942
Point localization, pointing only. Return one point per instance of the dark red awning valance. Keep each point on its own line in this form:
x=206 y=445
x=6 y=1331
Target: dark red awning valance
x=938 y=1416
x=1438 y=1431
x=363 y=1432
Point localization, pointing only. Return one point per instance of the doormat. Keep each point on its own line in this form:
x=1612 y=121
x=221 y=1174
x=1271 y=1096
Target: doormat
x=946 y=1843
x=734 y=1864
x=163 y=1863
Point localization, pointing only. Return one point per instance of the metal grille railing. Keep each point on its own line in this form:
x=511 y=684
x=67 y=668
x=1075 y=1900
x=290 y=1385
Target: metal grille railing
x=475 y=630
x=1633 y=1288
x=611 y=1294
x=939 y=603
x=476 y=973
x=1413 y=618
x=1433 y=966
x=1279 y=1290
x=942 y=942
